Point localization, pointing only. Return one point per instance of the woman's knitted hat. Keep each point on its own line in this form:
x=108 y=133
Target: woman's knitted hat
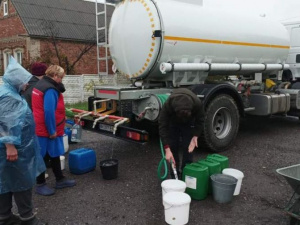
x=38 y=69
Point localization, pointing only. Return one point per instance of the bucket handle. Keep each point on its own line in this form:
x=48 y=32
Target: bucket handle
x=169 y=207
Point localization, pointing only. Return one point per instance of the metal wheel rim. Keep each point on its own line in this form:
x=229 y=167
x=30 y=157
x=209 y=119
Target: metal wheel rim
x=221 y=123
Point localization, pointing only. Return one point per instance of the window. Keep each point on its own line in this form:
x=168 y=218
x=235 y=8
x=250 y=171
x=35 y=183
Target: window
x=295 y=37
x=5 y=8
x=18 y=54
x=6 y=56
x=298 y=58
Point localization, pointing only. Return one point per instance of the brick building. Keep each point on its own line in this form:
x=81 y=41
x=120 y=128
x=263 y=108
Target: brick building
x=44 y=29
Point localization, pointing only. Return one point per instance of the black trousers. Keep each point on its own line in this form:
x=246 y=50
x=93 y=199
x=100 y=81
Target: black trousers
x=180 y=138
x=55 y=164
x=23 y=200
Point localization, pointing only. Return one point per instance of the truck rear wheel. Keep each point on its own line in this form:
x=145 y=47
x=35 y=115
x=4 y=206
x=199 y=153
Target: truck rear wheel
x=221 y=123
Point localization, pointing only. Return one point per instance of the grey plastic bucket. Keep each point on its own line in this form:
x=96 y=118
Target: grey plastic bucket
x=223 y=187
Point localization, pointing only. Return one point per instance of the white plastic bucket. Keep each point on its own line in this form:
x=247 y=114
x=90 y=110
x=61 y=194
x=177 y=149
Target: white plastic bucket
x=239 y=175
x=66 y=143
x=62 y=162
x=177 y=208
x=172 y=185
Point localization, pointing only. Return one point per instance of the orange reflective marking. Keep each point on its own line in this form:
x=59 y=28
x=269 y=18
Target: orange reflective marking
x=172 y=38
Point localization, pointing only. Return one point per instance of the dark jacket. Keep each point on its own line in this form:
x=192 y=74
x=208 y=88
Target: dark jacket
x=181 y=98
x=27 y=94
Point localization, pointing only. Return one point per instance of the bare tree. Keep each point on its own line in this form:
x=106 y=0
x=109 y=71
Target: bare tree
x=52 y=34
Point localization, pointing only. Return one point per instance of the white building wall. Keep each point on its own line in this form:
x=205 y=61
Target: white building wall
x=80 y=87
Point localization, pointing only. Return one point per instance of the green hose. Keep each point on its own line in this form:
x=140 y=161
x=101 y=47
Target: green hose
x=163 y=98
x=69 y=113
x=163 y=162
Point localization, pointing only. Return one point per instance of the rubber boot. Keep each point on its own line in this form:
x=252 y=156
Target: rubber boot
x=31 y=221
x=43 y=189
x=48 y=163
x=12 y=220
x=64 y=183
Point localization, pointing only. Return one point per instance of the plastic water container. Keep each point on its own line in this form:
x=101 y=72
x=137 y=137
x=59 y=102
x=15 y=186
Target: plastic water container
x=66 y=143
x=177 y=208
x=62 y=162
x=223 y=187
x=239 y=175
x=196 y=178
x=69 y=133
x=76 y=133
x=172 y=185
x=82 y=160
x=223 y=160
x=213 y=168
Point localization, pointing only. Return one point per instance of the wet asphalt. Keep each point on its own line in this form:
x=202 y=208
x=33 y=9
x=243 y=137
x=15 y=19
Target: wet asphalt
x=262 y=146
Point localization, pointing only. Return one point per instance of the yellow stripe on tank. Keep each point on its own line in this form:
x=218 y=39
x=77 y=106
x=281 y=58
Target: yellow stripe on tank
x=172 y=38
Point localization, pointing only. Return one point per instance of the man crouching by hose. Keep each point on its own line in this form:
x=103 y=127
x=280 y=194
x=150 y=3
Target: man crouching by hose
x=180 y=123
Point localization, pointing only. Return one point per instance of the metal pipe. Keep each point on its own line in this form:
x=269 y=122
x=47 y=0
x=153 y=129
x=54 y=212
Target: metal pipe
x=260 y=67
x=95 y=114
x=182 y=67
x=83 y=115
x=169 y=67
x=224 y=67
x=98 y=119
x=143 y=113
x=97 y=101
x=118 y=124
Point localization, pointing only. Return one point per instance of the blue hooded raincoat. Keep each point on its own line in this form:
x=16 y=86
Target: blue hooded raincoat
x=17 y=127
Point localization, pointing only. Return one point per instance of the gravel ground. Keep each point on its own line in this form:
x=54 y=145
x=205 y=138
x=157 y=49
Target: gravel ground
x=262 y=146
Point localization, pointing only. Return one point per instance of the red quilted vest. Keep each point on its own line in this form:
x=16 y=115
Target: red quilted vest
x=38 y=108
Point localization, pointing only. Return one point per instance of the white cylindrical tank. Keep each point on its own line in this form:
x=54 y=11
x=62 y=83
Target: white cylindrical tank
x=191 y=33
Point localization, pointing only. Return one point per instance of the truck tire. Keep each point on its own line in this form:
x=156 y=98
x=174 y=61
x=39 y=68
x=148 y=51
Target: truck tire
x=221 y=123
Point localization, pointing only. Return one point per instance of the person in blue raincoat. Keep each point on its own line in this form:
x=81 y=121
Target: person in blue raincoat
x=20 y=159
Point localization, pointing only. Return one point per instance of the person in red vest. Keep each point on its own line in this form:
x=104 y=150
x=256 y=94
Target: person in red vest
x=49 y=115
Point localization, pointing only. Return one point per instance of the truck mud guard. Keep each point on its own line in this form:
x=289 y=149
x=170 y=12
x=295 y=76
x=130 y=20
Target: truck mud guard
x=207 y=91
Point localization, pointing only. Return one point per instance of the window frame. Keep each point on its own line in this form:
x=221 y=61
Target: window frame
x=298 y=58
x=295 y=36
x=6 y=54
x=5 y=8
x=16 y=52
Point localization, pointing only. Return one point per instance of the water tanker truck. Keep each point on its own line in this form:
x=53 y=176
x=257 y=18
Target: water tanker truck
x=166 y=44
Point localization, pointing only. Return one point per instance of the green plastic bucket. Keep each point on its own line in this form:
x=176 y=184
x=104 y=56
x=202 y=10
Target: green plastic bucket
x=196 y=177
